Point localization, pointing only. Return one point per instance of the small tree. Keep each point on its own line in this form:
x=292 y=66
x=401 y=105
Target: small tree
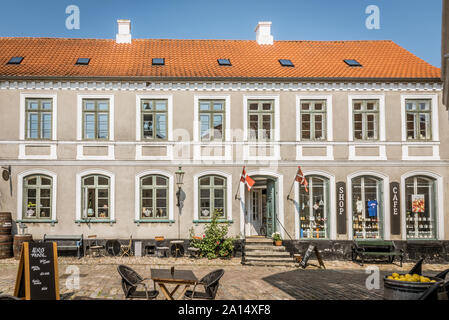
x=215 y=242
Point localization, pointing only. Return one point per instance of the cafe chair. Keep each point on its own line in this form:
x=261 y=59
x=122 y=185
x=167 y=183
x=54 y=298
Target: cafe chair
x=125 y=249
x=210 y=282
x=131 y=280
x=94 y=248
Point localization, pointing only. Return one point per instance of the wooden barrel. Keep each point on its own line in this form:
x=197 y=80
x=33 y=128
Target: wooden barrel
x=17 y=244
x=5 y=223
x=5 y=246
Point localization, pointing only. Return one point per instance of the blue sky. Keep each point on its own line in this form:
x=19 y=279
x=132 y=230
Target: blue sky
x=413 y=24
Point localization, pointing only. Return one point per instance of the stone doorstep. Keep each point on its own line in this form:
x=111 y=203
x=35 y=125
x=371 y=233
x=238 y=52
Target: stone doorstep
x=265 y=248
x=272 y=259
x=261 y=240
x=259 y=253
x=269 y=264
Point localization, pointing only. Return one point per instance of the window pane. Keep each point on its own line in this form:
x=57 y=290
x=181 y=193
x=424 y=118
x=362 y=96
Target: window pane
x=357 y=106
x=218 y=193
x=218 y=181
x=424 y=126
x=89 y=105
x=103 y=106
x=147 y=105
x=204 y=126
x=358 y=126
x=103 y=125
x=205 y=181
x=147 y=193
x=45 y=193
x=204 y=193
x=371 y=126
x=161 y=125
x=411 y=126
x=161 y=106
x=254 y=106
x=318 y=106
x=266 y=106
x=33 y=119
x=266 y=126
x=204 y=106
x=318 y=126
x=90 y=181
x=46 y=105
x=148 y=181
x=103 y=193
x=253 y=126
x=305 y=106
x=46 y=126
x=148 y=126
x=161 y=181
x=305 y=126
x=45 y=181
x=218 y=126
x=410 y=106
x=89 y=126
x=33 y=105
x=102 y=181
x=218 y=106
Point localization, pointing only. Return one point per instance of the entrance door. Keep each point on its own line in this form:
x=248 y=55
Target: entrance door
x=256 y=211
x=271 y=208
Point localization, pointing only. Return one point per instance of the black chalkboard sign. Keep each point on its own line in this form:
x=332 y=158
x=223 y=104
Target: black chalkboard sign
x=37 y=275
x=305 y=260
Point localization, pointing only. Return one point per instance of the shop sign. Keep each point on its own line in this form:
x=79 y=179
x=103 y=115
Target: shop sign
x=395 y=208
x=341 y=207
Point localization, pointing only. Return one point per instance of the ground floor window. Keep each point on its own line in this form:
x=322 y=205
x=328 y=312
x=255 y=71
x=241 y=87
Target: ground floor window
x=314 y=208
x=154 y=197
x=420 y=193
x=367 y=204
x=37 y=197
x=96 y=197
x=212 y=192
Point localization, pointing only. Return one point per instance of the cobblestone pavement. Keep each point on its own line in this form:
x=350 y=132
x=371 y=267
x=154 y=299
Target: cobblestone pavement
x=340 y=281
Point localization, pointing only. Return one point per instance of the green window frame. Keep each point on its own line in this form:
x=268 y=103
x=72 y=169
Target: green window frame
x=421 y=225
x=418 y=115
x=96 y=197
x=154 y=119
x=260 y=120
x=154 y=204
x=313 y=120
x=37 y=197
x=212 y=197
x=314 y=208
x=365 y=119
x=211 y=120
x=96 y=119
x=39 y=119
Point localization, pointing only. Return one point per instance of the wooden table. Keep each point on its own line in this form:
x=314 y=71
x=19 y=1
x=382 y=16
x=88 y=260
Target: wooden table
x=179 y=278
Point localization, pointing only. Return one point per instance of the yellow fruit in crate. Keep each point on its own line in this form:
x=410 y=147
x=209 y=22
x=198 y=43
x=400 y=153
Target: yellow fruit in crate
x=390 y=277
x=395 y=275
x=433 y=281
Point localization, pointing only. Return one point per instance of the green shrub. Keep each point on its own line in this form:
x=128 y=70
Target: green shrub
x=215 y=243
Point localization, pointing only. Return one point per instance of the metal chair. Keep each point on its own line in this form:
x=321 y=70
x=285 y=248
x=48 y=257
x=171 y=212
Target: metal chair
x=211 y=282
x=126 y=249
x=131 y=280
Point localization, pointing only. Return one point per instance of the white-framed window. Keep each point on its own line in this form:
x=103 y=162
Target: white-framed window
x=38 y=116
x=95 y=117
x=366 y=118
x=95 y=196
x=418 y=115
x=36 y=196
x=154 y=118
x=212 y=193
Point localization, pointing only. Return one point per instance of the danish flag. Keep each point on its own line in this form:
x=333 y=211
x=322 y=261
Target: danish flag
x=301 y=178
x=246 y=179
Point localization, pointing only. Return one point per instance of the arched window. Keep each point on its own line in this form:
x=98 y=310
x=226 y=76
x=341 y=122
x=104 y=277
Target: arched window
x=153 y=197
x=37 y=197
x=96 y=197
x=314 y=208
x=367 y=204
x=420 y=220
x=212 y=194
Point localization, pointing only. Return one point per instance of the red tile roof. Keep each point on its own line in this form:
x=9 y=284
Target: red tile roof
x=56 y=57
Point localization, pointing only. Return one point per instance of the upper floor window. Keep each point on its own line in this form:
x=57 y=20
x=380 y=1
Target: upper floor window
x=366 y=119
x=39 y=114
x=154 y=197
x=154 y=119
x=261 y=119
x=37 y=199
x=212 y=191
x=313 y=120
x=95 y=119
x=96 y=197
x=212 y=117
x=419 y=119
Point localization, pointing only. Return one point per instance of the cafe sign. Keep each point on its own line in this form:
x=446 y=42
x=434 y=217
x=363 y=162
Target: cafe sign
x=395 y=208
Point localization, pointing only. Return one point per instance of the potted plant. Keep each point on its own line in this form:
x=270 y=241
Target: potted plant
x=277 y=239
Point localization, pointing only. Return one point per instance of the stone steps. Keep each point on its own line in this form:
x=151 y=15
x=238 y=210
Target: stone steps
x=260 y=251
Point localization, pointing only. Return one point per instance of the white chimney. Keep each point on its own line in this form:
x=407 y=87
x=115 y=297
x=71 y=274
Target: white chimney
x=263 y=33
x=124 y=31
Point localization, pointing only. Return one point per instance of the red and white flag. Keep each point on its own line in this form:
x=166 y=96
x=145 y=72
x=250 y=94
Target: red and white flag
x=246 y=179
x=301 y=178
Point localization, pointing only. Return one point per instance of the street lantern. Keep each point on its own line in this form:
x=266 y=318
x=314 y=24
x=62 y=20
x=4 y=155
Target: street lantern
x=179 y=177
x=180 y=195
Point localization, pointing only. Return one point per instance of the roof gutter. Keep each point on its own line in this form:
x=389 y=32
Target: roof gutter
x=205 y=79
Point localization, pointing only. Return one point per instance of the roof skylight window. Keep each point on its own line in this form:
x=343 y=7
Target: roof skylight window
x=224 y=62
x=286 y=63
x=15 y=60
x=352 y=63
x=83 y=61
x=158 y=61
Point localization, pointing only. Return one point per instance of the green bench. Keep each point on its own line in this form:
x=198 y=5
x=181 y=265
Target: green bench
x=67 y=242
x=370 y=249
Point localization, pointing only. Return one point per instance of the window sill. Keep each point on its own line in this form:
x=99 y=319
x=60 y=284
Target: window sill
x=95 y=221
x=154 y=221
x=210 y=220
x=37 y=221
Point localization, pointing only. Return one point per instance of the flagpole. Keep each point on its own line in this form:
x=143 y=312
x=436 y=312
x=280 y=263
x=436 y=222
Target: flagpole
x=294 y=179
